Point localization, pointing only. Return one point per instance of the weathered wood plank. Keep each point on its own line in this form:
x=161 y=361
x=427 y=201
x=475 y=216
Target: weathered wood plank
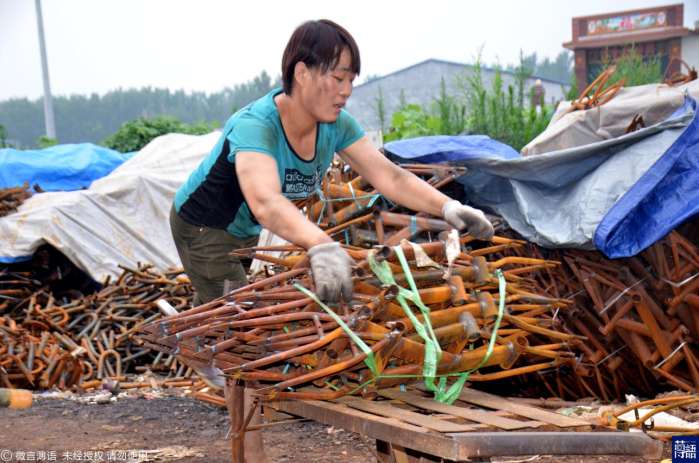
x=373 y=426
x=388 y=410
x=480 y=416
x=484 y=399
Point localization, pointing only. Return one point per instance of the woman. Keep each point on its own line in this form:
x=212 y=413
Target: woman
x=277 y=149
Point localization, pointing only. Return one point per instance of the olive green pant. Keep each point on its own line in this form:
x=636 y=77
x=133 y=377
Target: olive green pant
x=205 y=255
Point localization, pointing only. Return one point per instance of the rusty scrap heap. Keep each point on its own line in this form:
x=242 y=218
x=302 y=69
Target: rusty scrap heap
x=572 y=324
x=46 y=342
x=12 y=198
x=431 y=311
x=638 y=316
x=402 y=318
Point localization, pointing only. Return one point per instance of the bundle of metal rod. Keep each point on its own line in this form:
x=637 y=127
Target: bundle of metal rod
x=276 y=334
x=345 y=200
x=46 y=342
x=598 y=93
x=646 y=410
x=638 y=315
x=12 y=198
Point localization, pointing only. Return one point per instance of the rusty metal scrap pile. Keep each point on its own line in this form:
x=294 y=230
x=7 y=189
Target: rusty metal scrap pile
x=274 y=334
x=271 y=332
x=574 y=324
x=46 y=342
x=638 y=315
x=12 y=198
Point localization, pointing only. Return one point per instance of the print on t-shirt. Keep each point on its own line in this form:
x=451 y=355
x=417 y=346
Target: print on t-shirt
x=299 y=185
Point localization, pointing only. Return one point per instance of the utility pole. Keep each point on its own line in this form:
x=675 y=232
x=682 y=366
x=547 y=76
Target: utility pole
x=48 y=103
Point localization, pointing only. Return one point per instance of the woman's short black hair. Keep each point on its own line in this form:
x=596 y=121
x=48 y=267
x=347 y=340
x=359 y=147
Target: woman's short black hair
x=318 y=44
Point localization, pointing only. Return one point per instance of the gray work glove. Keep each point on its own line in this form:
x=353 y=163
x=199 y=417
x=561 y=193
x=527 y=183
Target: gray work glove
x=332 y=272
x=473 y=220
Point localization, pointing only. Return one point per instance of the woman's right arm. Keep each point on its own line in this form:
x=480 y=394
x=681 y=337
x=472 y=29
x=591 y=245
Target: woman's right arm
x=331 y=266
x=259 y=182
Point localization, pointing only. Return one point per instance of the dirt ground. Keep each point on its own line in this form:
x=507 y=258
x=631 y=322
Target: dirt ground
x=176 y=429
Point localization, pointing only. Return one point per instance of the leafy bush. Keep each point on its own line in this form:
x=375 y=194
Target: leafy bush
x=412 y=121
x=635 y=69
x=45 y=141
x=134 y=135
x=502 y=114
x=446 y=117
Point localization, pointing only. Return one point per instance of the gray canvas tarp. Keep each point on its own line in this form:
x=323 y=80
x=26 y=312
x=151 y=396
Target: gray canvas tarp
x=653 y=102
x=557 y=199
x=121 y=219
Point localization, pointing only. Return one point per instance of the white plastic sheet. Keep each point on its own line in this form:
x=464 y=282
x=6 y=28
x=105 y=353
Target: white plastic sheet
x=121 y=219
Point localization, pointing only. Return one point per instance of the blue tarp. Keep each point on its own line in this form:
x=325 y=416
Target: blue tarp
x=619 y=195
x=58 y=168
x=443 y=148
x=664 y=197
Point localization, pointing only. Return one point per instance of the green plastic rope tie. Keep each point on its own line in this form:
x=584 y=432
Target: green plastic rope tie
x=371 y=197
x=370 y=361
x=433 y=350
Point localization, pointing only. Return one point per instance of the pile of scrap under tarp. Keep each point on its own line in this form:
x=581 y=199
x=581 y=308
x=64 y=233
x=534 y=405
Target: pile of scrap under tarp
x=442 y=311
x=53 y=335
x=445 y=312
x=638 y=317
x=12 y=198
x=584 y=182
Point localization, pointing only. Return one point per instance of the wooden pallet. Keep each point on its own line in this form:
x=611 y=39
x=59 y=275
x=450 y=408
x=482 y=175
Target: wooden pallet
x=411 y=427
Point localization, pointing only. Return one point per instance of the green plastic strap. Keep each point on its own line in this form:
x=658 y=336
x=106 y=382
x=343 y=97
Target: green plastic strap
x=370 y=361
x=453 y=393
x=413 y=225
x=432 y=349
x=371 y=197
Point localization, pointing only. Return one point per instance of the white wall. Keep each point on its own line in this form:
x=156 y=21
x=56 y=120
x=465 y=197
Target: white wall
x=690 y=50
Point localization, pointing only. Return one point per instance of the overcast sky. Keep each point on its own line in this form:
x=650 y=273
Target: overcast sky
x=100 y=45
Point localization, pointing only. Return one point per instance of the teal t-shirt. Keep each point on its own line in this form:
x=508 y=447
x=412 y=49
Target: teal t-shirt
x=211 y=195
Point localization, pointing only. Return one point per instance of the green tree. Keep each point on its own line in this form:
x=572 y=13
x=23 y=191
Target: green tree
x=560 y=68
x=573 y=92
x=134 y=135
x=3 y=137
x=451 y=113
x=92 y=118
x=502 y=113
x=634 y=68
x=45 y=142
